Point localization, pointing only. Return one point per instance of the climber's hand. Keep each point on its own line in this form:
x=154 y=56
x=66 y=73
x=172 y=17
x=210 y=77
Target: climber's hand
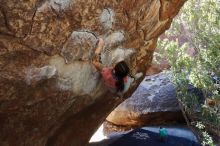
x=97 y=65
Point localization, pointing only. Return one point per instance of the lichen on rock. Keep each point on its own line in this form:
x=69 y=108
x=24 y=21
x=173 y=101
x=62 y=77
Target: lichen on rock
x=79 y=46
x=107 y=18
x=79 y=77
x=34 y=74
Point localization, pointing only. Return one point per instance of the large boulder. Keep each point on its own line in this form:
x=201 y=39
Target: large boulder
x=153 y=103
x=50 y=93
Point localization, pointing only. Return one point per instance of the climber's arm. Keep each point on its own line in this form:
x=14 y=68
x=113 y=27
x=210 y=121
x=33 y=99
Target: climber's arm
x=99 y=45
x=97 y=65
x=97 y=60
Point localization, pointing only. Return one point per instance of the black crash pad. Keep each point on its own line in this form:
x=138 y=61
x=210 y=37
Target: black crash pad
x=141 y=137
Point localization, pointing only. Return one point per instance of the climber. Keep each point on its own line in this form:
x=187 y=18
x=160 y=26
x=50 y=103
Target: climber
x=115 y=78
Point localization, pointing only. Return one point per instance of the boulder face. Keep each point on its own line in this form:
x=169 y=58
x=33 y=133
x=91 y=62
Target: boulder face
x=50 y=93
x=153 y=103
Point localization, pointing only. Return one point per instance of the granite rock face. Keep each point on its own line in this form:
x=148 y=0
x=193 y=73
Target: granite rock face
x=153 y=103
x=50 y=93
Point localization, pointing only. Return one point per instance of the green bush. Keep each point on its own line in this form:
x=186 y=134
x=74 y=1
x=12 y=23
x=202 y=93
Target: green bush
x=197 y=27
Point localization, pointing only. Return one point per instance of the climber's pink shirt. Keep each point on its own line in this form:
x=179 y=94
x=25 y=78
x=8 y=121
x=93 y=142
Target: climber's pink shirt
x=108 y=78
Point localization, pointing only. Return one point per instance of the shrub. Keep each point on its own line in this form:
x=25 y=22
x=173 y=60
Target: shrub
x=196 y=27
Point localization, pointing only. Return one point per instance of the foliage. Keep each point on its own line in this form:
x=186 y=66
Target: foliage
x=197 y=27
x=207 y=139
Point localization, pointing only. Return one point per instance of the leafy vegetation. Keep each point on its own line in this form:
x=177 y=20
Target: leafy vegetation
x=207 y=140
x=197 y=28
